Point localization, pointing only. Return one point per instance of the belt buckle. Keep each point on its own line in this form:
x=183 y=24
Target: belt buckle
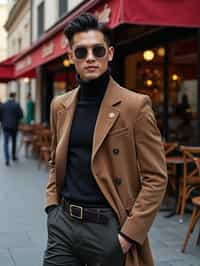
x=71 y=206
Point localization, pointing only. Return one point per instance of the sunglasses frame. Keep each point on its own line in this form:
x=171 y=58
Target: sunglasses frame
x=87 y=48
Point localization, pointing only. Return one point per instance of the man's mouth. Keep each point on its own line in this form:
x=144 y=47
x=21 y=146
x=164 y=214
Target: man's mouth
x=91 y=68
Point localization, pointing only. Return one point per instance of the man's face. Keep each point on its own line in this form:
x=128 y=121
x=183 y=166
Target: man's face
x=90 y=54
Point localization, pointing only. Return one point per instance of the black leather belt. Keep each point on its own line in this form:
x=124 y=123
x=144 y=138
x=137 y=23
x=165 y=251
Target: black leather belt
x=92 y=215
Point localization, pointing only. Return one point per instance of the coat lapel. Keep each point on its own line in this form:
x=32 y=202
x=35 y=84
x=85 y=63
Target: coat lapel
x=65 y=120
x=107 y=115
x=106 y=118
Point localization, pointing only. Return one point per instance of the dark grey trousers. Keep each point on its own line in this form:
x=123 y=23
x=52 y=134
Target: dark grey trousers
x=72 y=242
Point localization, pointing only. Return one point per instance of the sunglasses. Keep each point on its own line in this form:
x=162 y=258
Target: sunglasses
x=98 y=51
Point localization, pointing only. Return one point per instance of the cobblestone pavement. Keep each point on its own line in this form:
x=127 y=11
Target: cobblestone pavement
x=23 y=221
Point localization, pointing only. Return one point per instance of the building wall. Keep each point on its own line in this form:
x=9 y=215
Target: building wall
x=20 y=30
x=10 y=4
x=51 y=13
x=50 y=8
x=74 y=3
x=3 y=46
x=18 y=40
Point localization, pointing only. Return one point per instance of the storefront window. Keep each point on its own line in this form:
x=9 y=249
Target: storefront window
x=63 y=7
x=144 y=73
x=183 y=91
x=40 y=18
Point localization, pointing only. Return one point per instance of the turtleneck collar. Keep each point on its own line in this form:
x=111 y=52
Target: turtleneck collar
x=93 y=90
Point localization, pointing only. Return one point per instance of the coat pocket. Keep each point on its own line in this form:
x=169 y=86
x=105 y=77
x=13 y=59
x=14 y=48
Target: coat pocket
x=129 y=206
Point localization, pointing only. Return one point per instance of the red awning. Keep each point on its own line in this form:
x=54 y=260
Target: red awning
x=113 y=12
x=7 y=69
x=178 y=13
x=184 y=13
x=36 y=56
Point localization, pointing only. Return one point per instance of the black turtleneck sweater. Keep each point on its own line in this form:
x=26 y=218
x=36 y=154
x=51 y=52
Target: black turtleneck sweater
x=80 y=185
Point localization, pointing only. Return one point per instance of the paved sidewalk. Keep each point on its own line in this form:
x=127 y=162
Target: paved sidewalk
x=23 y=221
x=166 y=240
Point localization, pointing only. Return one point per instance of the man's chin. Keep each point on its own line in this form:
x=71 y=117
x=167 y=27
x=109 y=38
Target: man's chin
x=91 y=76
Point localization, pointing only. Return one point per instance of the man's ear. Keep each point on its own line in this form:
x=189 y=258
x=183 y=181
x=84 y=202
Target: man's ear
x=111 y=51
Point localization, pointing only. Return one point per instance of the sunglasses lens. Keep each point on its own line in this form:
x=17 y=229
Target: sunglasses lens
x=80 y=52
x=99 y=51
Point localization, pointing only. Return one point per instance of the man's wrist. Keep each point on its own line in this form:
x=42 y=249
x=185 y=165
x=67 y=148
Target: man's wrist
x=131 y=241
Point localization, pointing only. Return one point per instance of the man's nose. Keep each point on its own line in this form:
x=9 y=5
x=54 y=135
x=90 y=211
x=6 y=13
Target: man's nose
x=90 y=56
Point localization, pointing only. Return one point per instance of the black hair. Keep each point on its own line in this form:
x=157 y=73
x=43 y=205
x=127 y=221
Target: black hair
x=84 y=23
x=12 y=94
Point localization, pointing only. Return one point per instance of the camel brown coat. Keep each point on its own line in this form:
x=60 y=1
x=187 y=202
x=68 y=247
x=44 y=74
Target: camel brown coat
x=133 y=179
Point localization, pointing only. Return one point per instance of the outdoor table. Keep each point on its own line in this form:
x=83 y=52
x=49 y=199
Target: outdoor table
x=177 y=161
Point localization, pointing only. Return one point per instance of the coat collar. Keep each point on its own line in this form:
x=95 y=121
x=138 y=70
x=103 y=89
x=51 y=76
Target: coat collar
x=111 y=97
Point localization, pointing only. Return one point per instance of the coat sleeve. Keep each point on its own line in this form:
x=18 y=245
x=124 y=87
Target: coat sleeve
x=51 y=190
x=153 y=174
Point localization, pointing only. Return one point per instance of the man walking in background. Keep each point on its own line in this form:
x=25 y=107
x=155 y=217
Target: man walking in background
x=10 y=115
x=30 y=110
x=107 y=169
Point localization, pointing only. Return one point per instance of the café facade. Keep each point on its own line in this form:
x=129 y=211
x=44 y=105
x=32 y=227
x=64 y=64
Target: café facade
x=157 y=52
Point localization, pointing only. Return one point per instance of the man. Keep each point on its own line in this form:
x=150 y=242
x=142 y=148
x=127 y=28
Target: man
x=30 y=110
x=10 y=115
x=107 y=169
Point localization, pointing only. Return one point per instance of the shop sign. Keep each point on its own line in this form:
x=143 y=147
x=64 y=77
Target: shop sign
x=47 y=49
x=24 y=63
x=104 y=15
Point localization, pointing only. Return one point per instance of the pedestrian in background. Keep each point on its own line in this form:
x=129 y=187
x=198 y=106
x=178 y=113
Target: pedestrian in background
x=108 y=172
x=30 y=110
x=10 y=115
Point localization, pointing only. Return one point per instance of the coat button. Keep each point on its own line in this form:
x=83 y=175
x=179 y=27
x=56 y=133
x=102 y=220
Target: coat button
x=111 y=115
x=117 y=181
x=116 y=151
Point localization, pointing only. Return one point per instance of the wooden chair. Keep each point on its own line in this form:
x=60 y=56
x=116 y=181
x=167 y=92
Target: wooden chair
x=27 y=137
x=194 y=219
x=37 y=139
x=191 y=175
x=45 y=142
x=170 y=148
